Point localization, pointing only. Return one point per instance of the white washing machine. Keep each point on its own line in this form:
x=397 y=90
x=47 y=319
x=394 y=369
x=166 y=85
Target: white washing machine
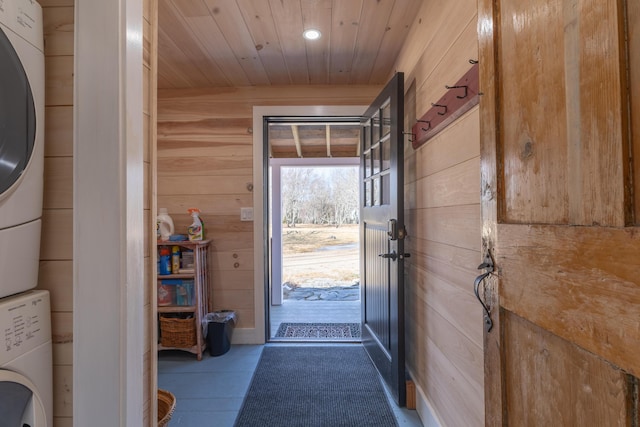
x=26 y=396
x=21 y=143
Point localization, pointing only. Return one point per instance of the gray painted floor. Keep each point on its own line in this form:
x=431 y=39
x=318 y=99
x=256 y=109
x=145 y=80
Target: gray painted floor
x=210 y=392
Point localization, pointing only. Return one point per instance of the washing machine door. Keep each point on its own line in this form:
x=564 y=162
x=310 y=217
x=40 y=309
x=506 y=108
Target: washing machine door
x=17 y=117
x=20 y=403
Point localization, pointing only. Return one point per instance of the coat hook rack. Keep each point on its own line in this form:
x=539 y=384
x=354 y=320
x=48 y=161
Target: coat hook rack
x=441 y=106
x=450 y=106
x=459 y=87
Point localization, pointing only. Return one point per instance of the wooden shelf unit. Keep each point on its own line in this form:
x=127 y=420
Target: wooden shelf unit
x=200 y=278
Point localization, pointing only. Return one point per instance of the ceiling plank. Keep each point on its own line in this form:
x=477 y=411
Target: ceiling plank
x=184 y=40
x=176 y=63
x=317 y=14
x=287 y=18
x=402 y=16
x=257 y=15
x=230 y=21
x=296 y=139
x=210 y=36
x=373 y=24
x=345 y=19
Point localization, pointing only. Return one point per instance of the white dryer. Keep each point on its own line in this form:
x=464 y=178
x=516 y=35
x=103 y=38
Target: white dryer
x=26 y=384
x=21 y=143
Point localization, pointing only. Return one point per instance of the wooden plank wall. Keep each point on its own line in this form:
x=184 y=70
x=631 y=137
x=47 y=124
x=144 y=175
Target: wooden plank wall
x=205 y=160
x=56 y=252
x=442 y=199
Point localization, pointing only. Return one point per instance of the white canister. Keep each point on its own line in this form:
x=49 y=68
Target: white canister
x=164 y=223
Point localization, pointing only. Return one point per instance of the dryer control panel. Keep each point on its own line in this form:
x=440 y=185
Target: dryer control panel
x=25 y=323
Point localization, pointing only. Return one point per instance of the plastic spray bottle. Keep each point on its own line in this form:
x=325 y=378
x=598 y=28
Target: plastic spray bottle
x=196 y=229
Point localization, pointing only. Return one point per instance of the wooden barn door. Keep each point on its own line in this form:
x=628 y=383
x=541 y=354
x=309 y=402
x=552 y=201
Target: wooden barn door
x=559 y=215
x=382 y=235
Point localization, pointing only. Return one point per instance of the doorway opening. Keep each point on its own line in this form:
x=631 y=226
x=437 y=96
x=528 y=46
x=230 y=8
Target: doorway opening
x=313 y=223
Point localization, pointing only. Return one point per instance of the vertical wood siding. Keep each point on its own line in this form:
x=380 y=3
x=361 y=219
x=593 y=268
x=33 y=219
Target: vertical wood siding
x=442 y=202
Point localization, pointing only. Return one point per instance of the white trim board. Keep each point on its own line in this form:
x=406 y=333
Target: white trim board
x=258 y=335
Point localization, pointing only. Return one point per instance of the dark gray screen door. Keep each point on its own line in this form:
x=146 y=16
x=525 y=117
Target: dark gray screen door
x=382 y=233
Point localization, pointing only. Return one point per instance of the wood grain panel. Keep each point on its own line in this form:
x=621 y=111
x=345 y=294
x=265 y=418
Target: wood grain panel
x=175 y=65
x=58 y=31
x=57 y=278
x=57 y=230
x=245 y=317
x=222 y=226
x=459 y=307
x=177 y=185
x=317 y=14
x=58 y=183
x=260 y=23
x=54 y=3
x=458 y=143
x=208 y=204
x=456 y=226
x=396 y=31
x=232 y=260
x=62 y=391
x=213 y=166
x=61 y=327
x=573 y=180
x=344 y=30
x=58 y=131
x=223 y=280
x=450 y=68
x=539 y=362
x=633 y=47
x=63 y=354
x=458 y=185
x=212 y=39
x=59 y=81
x=207 y=145
x=229 y=19
x=455 y=265
x=548 y=282
x=203 y=129
x=374 y=16
x=293 y=46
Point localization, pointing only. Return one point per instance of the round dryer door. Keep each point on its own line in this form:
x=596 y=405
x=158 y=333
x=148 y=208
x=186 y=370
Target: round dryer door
x=20 y=404
x=17 y=116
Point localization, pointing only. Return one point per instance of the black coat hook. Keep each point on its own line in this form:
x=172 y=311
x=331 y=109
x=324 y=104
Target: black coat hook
x=459 y=87
x=473 y=61
x=412 y=135
x=441 y=106
x=428 y=124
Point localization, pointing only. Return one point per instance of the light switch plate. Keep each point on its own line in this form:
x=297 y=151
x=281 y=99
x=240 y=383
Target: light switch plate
x=246 y=214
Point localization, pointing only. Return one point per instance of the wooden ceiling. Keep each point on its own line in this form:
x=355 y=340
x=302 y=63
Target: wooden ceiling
x=238 y=43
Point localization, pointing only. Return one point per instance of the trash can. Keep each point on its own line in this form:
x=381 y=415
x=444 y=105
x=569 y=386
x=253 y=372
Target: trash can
x=219 y=331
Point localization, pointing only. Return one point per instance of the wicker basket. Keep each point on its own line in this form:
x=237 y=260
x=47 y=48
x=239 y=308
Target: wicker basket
x=166 y=406
x=175 y=332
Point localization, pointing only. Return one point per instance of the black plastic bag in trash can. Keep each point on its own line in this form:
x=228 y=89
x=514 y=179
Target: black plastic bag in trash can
x=219 y=330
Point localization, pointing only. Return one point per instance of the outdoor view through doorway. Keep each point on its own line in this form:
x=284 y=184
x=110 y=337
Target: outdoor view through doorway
x=319 y=277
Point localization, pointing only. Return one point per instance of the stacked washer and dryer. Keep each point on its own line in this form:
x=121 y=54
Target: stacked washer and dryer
x=25 y=318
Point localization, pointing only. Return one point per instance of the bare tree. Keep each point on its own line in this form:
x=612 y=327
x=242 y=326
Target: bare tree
x=330 y=197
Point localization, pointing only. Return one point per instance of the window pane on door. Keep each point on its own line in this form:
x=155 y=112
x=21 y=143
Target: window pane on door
x=386 y=119
x=386 y=153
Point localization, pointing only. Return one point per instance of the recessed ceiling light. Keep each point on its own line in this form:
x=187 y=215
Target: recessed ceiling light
x=311 y=34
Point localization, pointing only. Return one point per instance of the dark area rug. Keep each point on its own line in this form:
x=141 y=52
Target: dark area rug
x=314 y=386
x=319 y=330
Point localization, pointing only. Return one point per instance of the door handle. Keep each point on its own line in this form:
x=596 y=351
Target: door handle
x=488 y=265
x=394 y=256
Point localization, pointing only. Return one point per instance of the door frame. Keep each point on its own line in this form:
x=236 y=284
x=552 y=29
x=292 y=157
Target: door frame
x=258 y=335
x=276 y=196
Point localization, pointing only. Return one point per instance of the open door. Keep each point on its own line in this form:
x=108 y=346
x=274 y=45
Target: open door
x=382 y=235
x=562 y=336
